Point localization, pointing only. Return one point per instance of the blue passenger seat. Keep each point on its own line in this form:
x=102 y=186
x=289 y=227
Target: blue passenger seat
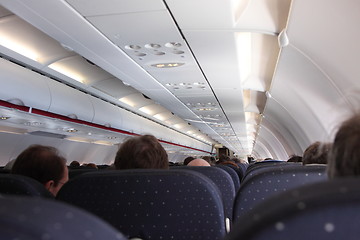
x=26 y=218
x=255 y=168
x=22 y=185
x=233 y=174
x=222 y=180
x=74 y=172
x=150 y=203
x=273 y=181
x=324 y=210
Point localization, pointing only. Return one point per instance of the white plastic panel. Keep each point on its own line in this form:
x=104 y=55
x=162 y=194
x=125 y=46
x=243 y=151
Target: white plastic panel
x=8 y=143
x=338 y=55
x=79 y=69
x=266 y=16
x=92 y=7
x=308 y=95
x=114 y=87
x=12 y=145
x=268 y=148
x=68 y=101
x=21 y=83
x=106 y=114
x=25 y=39
x=270 y=129
x=286 y=126
x=269 y=139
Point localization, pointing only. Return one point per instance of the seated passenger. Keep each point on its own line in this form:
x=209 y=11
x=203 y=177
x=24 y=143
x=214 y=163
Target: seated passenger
x=295 y=158
x=187 y=160
x=344 y=157
x=316 y=153
x=199 y=162
x=225 y=160
x=44 y=164
x=141 y=152
x=74 y=164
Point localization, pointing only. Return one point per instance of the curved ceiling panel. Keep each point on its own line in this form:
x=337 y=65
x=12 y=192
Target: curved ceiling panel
x=286 y=126
x=330 y=38
x=273 y=143
x=307 y=94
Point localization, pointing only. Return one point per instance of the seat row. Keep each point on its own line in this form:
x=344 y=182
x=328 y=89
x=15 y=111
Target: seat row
x=193 y=201
x=323 y=210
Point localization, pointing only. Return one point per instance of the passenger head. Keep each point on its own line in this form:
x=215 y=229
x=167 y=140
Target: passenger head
x=74 y=164
x=91 y=165
x=187 y=160
x=295 y=158
x=316 y=153
x=141 y=152
x=344 y=157
x=199 y=162
x=223 y=158
x=44 y=164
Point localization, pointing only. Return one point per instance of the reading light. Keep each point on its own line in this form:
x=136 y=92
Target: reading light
x=4 y=118
x=71 y=130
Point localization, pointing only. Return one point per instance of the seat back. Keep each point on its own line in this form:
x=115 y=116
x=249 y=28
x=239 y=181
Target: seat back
x=233 y=174
x=22 y=185
x=151 y=204
x=28 y=218
x=74 y=172
x=258 y=167
x=274 y=181
x=324 y=210
x=224 y=183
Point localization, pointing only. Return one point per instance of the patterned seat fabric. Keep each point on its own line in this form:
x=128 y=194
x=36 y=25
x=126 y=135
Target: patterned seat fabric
x=323 y=210
x=272 y=181
x=233 y=174
x=78 y=171
x=28 y=218
x=151 y=204
x=259 y=167
x=21 y=185
x=223 y=182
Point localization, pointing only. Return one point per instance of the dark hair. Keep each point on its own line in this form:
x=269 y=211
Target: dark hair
x=141 y=152
x=187 y=160
x=295 y=158
x=42 y=163
x=223 y=158
x=316 y=153
x=344 y=157
x=74 y=164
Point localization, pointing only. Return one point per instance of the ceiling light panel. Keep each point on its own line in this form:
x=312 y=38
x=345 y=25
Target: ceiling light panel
x=23 y=38
x=114 y=87
x=153 y=109
x=136 y=100
x=163 y=116
x=77 y=68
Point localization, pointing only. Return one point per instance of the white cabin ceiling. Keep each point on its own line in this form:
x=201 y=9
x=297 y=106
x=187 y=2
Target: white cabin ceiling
x=232 y=76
